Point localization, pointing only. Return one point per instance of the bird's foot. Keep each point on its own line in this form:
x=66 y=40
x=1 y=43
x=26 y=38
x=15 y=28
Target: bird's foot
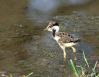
x=63 y=66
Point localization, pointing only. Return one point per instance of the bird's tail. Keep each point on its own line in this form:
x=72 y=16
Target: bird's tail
x=77 y=40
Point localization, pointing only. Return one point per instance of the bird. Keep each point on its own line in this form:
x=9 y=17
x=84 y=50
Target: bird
x=64 y=39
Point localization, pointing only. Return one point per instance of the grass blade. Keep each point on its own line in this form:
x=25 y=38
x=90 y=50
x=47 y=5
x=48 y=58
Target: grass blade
x=85 y=59
x=74 y=68
x=97 y=75
x=95 y=66
x=29 y=74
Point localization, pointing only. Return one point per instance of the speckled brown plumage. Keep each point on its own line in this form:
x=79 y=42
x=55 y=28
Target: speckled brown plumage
x=66 y=37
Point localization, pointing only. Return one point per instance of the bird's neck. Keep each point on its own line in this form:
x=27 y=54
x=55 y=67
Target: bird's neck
x=56 y=28
x=53 y=32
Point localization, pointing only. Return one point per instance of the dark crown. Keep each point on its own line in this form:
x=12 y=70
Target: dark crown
x=55 y=24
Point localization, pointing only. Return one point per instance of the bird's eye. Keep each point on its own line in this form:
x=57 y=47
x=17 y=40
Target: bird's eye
x=55 y=23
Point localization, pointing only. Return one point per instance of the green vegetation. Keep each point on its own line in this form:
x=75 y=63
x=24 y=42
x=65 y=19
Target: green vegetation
x=10 y=75
x=84 y=70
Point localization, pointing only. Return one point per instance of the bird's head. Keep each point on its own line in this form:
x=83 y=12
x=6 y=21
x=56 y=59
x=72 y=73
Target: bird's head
x=52 y=25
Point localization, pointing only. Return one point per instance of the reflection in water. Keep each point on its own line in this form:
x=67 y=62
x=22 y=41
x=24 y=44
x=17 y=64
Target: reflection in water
x=76 y=2
x=44 y=5
x=40 y=10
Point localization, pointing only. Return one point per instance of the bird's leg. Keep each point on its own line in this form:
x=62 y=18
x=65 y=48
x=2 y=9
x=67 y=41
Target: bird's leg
x=74 y=52
x=64 y=54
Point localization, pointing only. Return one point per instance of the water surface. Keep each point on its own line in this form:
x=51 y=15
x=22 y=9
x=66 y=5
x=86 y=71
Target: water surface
x=25 y=47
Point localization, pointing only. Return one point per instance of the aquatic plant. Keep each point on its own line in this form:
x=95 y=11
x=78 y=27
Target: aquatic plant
x=84 y=70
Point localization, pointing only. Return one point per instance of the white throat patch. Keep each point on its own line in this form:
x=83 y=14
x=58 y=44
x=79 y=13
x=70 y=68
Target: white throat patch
x=56 y=28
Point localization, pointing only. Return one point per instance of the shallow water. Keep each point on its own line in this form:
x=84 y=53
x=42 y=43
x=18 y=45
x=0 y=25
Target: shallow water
x=25 y=47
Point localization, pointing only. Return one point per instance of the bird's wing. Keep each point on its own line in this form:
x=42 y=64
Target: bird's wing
x=66 y=37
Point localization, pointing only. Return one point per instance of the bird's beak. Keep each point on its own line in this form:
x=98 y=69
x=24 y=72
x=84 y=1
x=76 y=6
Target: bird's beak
x=45 y=29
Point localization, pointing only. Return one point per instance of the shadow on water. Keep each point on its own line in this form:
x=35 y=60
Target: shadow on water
x=25 y=47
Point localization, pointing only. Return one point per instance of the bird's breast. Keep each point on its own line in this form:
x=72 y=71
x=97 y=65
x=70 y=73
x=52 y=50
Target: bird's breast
x=56 y=38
